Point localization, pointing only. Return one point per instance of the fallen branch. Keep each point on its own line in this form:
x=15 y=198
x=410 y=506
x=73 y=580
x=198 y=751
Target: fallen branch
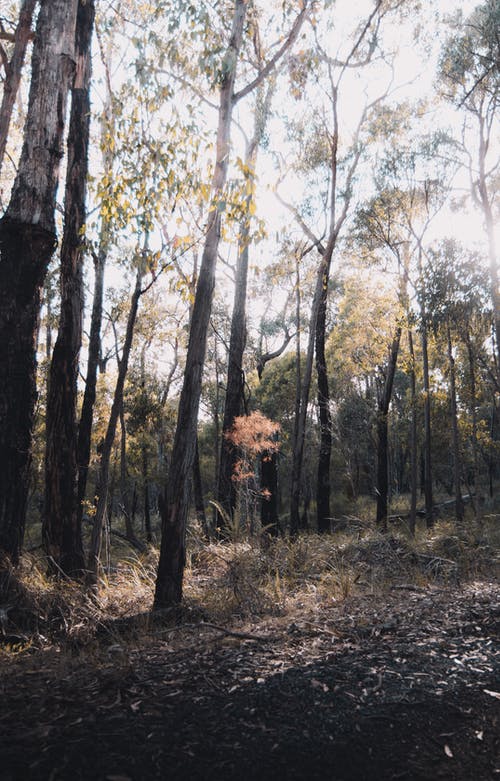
x=223 y=630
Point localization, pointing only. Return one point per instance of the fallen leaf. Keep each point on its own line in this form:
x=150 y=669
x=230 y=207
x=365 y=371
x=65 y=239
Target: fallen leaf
x=492 y=694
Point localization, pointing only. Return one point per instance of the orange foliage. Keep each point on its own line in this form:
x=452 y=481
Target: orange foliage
x=253 y=434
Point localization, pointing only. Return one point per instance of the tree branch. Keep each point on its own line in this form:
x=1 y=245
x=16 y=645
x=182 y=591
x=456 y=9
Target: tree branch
x=266 y=70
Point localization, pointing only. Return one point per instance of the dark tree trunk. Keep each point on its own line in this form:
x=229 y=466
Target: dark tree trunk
x=269 y=490
x=14 y=68
x=94 y=348
x=234 y=400
x=61 y=527
x=382 y=434
x=325 y=418
x=174 y=505
x=27 y=242
x=103 y=475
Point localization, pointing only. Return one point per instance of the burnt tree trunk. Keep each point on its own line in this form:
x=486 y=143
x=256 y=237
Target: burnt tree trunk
x=13 y=69
x=27 y=242
x=61 y=526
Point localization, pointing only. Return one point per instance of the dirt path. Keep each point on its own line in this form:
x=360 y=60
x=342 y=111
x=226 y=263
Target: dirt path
x=404 y=686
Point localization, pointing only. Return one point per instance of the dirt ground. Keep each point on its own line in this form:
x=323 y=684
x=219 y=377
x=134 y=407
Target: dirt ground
x=403 y=685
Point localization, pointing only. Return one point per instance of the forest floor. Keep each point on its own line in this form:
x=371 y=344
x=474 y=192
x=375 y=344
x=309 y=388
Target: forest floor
x=374 y=659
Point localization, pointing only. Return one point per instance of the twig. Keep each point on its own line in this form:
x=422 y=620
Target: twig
x=223 y=630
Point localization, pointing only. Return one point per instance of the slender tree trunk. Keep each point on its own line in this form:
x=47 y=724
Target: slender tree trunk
x=301 y=418
x=457 y=460
x=103 y=476
x=27 y=242
x=234 y=400
x=14 y=69
x=413 y=438
x=382 y=434
x=94 y=349
x=61 y=526
x=174 y=506
x=429 y=503
x=233 y=405
x=145 y=479
x=325 y=417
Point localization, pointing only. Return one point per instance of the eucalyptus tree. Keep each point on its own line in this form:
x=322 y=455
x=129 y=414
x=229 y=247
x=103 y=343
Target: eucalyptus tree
x=383 y=237
x=331 y=151
x=27 y=242
x=469 y=77
x=455 y=289
x=174 y=505
x=61 y=527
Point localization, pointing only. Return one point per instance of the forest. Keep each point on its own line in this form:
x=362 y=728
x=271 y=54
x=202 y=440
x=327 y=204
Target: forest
x=249 y=389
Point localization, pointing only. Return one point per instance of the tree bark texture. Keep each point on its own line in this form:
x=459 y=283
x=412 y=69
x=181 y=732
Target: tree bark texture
x=27 y=241
x=22 y=37
x=61 y=527
x=174 y=504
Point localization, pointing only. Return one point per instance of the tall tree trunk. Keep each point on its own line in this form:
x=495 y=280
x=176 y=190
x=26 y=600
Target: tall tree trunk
x=234 y=400
x=325 y=418
x=473 y=414
x=103 y=475
x=382 y=433
x=233 y=405
x=174 y=505
x=94 y=348
x=27 y=242
x=302 y=403
x=61 y=526
x=14 y=68
x=457 y=460
x=413 y=437
x=429 y=503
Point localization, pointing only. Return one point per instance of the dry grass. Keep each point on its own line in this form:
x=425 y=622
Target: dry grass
x=242 y=581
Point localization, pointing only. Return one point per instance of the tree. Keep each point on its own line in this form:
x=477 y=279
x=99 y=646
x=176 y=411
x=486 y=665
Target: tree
x=27 y=242
x=469 y=75
x=61 y=520
x=174 y=505
x=13 y=70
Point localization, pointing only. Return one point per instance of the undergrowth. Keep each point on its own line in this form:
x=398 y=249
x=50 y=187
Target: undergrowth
x=246 y=580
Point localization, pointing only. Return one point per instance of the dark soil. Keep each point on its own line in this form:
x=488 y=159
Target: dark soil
x=399 y=686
